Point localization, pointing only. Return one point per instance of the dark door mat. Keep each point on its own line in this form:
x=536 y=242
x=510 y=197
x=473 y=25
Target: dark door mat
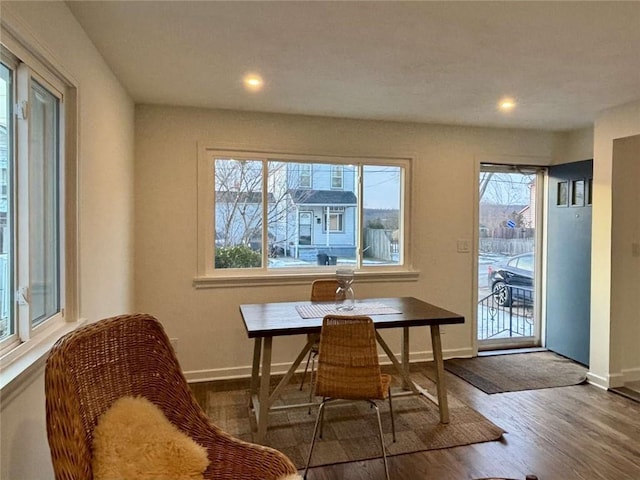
x=518 y=371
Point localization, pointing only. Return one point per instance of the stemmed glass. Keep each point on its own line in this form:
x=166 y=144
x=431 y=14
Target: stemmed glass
x=345 y=298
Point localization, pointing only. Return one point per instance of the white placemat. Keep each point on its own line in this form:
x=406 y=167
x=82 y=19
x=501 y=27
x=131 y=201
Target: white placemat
x=319 y=311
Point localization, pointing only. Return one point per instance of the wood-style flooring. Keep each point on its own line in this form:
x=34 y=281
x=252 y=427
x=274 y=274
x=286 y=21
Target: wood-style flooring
x=566 y=433
x=630 y=390
x=580 y=432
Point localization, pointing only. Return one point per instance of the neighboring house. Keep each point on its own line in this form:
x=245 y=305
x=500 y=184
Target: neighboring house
x=311 y=208
x=528 y=213
x=312 y=212
x=322 y=209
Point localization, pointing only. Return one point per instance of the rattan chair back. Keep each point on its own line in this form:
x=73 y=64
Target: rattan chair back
x=348 y=365
x=321 y=291
x=325 y=291
x=348 y=369
x=131 y=355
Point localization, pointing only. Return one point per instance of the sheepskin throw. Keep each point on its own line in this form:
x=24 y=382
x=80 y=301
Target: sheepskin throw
x=134 y=440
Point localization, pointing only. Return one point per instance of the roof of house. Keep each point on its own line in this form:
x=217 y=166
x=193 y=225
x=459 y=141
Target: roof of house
x=323 y=197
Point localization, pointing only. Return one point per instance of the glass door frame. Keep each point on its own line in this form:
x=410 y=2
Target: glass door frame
x=536 y=340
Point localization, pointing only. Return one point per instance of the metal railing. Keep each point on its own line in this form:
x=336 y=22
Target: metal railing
x=506 y=313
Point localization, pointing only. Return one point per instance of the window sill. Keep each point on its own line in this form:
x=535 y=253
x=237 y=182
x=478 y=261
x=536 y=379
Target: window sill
x=19 y=365
x=298 y=278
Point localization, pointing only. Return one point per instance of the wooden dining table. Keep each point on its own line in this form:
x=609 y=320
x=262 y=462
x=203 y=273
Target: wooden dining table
x=264 y=321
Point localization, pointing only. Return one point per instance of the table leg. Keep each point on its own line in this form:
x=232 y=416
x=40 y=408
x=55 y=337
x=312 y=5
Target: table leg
x=441 y=387
x=405 y=356
x=406 y=380
x=255 y=369
x=265 y=383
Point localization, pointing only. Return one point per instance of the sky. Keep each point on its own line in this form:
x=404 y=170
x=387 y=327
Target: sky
x=382 y=187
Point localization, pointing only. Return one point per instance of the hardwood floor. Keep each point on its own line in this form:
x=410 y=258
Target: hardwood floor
x=579 y=432
x=566 y=433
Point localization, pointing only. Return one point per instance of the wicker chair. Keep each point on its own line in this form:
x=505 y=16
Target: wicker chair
x=321 y=291
x=131 y=355
x=348 y=369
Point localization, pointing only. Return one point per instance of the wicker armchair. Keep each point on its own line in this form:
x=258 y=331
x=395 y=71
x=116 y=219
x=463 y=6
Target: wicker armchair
x=131 y=355
x=348 y=369
x=321 y=291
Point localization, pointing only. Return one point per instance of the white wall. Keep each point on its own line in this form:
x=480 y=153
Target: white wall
x=211 y=338
x=577 y=146
x=608 y=328
x=625 y=264
x=105 y=199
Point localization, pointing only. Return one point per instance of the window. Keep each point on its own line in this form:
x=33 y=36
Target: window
x=562 y=198
x=336 y=177
x=7 y=318
x=31 y=198
x=525 y=262
x=304 y=227
x=577 y=193
x=305 y=176
x=266 y=219
x=333 y=219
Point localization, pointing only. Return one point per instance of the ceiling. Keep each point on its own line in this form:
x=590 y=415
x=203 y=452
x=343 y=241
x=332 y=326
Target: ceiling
x=438 y=62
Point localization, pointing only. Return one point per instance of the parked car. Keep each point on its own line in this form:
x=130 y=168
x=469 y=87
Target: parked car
x=512 y=280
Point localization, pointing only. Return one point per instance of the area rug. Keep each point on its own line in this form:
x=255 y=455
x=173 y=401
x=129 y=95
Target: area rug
x=351 y=429
x=518 y=371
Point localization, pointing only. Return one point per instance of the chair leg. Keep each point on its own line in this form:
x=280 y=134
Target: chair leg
x=324 y=400
x=311 y=383
x=393 y=423
x=384 y=452
x=304 y=375
x=313 y=439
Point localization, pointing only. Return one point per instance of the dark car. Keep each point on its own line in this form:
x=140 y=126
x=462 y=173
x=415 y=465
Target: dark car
x=512 y=281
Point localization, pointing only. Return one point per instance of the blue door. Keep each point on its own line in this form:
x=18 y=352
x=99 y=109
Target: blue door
x=569 y=260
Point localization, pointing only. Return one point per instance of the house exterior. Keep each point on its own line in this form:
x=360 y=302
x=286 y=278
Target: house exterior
x=321 y=212
x=312 y=212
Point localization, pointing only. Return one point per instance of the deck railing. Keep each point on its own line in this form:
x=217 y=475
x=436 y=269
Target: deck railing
x=503 y=319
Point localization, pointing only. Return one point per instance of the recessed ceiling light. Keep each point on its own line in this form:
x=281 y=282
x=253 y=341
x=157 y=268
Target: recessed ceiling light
x=253 y=82
x=507 y=104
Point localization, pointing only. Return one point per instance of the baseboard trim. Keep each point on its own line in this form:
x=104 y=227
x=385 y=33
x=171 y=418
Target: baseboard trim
x=598 y=381
x=631 y=374
x=234 y=373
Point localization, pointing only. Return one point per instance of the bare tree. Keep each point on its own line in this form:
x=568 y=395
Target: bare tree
x=505 y=188
x=485 y=178
x=238 y=185
x=239 y=201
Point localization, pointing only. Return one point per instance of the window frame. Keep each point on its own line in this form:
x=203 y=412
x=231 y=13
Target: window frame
x=305 y=214
x=208 y=277
x=333 y=213
x=26 y=348
x=336 y=177
x=307 y=174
